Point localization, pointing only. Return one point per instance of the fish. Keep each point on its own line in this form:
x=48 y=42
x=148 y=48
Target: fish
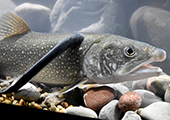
x=102 y=58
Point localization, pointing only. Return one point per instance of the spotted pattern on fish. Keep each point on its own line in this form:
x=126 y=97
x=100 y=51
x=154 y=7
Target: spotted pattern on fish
x=103 y=58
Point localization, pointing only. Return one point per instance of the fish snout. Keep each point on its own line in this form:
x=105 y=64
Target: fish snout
x=159 y=55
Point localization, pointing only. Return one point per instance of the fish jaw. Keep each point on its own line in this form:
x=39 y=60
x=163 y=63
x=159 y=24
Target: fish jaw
x=145 y=69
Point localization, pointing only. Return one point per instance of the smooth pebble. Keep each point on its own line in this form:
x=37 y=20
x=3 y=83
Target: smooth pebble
x=111 y=111
x=130 y=101
x=95 y=98
x=35 y=15
x=156 y=111
x=27 y=92
x=131 y=115
x=147 y=97
x=139 y=84
x=81 y=111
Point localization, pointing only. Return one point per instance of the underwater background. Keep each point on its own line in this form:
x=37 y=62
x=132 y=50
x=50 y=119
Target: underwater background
x=143 y=20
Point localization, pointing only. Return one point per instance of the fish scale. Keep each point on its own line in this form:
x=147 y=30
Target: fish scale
x=65 y=69
x=103 y=58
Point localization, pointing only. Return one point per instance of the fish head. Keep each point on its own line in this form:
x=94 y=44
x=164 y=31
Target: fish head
x=117 y=59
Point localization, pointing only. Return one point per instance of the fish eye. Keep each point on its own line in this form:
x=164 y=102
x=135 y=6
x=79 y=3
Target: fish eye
x=129 y=51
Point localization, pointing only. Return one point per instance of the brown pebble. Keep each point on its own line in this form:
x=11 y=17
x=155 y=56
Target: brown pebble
x=95 y=98
x=7 y=101
x=62 y=111
x=1 y=99
x=4 y=96
x=45 y=109
x=15 y=102
x=21 y=102
x=64 y=104
x=130 y=101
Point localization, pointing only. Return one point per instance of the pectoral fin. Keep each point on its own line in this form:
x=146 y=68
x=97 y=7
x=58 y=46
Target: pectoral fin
x=71 y=87
x=64 y=90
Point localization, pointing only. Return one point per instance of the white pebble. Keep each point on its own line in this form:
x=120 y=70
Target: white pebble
x=81 y=111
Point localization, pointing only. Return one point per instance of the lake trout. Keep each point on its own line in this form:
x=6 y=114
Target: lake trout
x=102 y=58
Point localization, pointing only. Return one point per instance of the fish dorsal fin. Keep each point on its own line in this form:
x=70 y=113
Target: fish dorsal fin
x=11 y=24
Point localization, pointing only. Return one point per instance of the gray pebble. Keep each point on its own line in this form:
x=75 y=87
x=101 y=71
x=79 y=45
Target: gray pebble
x=148 y=97
x=139 y=84
x=128 y=84
x=36 y=16
x=131 y=115
x=156 y=111
x=110 y=111
x=27 y=92
x=81 y=111
x=47 y=3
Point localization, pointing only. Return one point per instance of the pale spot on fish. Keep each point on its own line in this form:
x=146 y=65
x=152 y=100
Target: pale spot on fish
x=114 y=66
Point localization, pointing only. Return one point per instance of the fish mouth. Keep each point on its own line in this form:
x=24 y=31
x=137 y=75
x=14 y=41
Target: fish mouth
x=145 y=68
x=158 y=55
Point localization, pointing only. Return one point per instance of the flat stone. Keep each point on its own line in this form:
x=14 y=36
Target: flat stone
x=147 y=97
x=49 y=4
x=131 y=115
x=139 y=84
x=156 y=111
x=130 y=101
x=128 y=84
x=111 y=111
x=81 y=111
x=95 y=98
x=27 y=92
x=35 y=15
